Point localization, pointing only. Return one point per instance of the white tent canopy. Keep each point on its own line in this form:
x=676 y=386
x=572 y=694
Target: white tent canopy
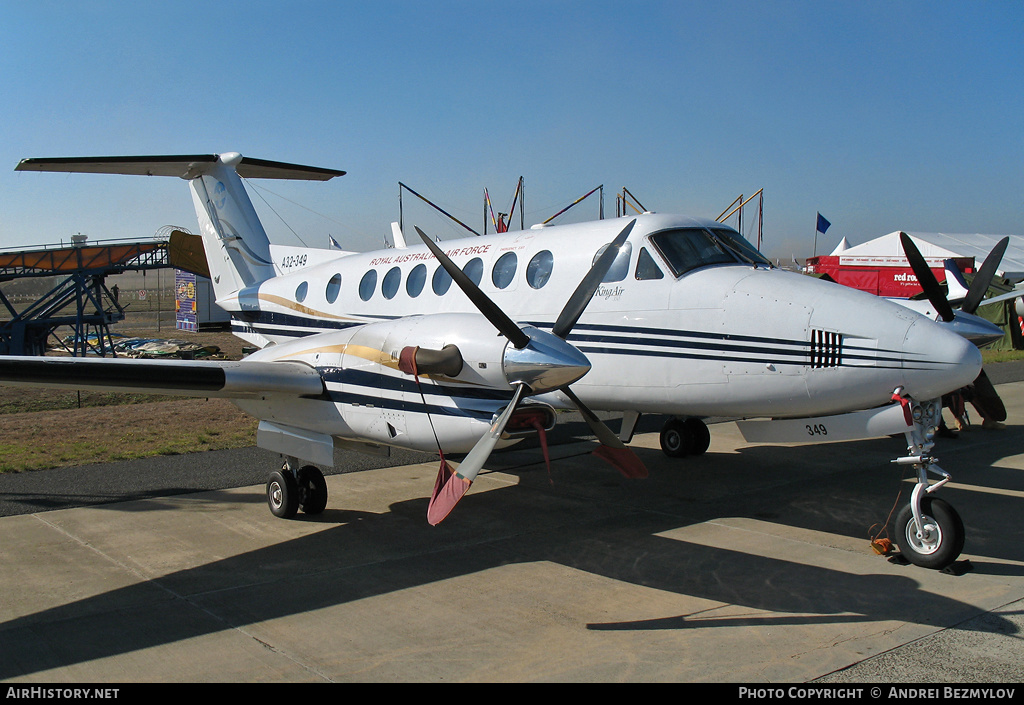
x=841 y=247
x=936 y=247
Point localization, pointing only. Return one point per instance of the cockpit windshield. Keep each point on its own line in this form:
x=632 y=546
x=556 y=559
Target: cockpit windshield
x=689 y=248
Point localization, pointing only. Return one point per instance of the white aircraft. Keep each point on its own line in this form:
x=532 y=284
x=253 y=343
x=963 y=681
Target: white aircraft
x=655 y=314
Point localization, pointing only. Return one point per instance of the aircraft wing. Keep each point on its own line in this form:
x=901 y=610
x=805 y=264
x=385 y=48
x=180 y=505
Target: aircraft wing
x=1002 y=297
x=192 y=378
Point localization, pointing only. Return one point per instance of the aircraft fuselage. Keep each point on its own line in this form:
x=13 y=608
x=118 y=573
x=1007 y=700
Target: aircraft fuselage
x=736 y=339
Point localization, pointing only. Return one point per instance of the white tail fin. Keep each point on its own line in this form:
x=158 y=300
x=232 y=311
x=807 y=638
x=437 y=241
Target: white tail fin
x=237 y=247
x=955 y=284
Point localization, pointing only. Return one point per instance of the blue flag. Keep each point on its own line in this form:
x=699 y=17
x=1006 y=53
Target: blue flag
x=822 y=224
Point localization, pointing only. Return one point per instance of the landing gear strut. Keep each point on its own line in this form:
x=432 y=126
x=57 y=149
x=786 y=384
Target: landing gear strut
x=682 y=437
x=289 y=490
x=928 y=531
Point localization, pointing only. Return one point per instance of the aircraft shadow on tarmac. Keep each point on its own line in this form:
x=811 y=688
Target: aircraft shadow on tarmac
x=585 y=518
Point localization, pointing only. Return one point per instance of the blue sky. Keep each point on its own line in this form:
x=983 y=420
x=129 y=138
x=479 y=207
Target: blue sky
x=883 y=116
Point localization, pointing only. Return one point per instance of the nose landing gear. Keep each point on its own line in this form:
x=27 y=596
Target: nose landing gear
x=928 y=531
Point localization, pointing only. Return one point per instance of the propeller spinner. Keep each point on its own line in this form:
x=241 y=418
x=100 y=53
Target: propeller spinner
x=537 y=362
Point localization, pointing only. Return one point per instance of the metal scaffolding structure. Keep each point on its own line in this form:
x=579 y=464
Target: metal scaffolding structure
x=80 y=300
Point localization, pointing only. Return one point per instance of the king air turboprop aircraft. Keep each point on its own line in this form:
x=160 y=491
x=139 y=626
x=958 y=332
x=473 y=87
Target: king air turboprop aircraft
x=656 y=314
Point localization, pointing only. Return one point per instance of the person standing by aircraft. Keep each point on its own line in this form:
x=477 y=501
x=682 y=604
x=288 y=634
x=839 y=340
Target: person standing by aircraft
x=985 y=400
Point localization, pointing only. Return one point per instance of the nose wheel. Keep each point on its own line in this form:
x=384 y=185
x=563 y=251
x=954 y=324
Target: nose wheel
x=934 y=542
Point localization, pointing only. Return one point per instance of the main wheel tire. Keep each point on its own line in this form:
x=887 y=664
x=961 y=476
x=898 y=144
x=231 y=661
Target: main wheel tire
x=676 y=438
x=942 y=541
x=312 y=490
x=282 y=494
x=701 y=436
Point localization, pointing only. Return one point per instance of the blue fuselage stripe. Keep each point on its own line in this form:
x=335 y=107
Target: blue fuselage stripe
x=622 y=340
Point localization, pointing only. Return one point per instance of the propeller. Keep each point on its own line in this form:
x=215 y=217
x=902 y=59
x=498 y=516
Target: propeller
x=975 y=293
x=965 y=322
x=541 y=362
x=926 y=279
x=451 y=486
x=983 y=279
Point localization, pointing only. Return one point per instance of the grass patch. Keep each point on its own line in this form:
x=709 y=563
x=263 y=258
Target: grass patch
x=993 y=356
x=19 y=400
x=62 y=438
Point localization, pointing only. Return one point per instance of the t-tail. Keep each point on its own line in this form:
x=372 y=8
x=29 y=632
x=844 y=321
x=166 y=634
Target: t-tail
x=237 y=246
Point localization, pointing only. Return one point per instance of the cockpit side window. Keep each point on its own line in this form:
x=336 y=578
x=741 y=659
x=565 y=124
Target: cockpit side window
x=646 y=267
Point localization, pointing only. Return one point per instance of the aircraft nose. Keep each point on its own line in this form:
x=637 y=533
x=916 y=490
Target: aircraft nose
x=937 y=361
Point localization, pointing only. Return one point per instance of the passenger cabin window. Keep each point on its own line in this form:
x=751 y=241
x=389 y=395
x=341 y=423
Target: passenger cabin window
x=689 y=248
x=367 y=285
x=474 y=269
x=392 y=280
x=538 y=271
x=646 y=267
x=333 y=288
x=417 y=278
x=620 y=267
x=504 y=270
x=441 y=281
x=300 y=292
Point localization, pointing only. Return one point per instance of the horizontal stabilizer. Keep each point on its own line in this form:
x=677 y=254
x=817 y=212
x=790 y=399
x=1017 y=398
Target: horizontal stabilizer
x=228 y=379
x=185 y=167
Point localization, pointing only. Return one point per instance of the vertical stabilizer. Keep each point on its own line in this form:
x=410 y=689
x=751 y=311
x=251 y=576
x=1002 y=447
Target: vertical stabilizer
x=237 y=246
x=956 y=286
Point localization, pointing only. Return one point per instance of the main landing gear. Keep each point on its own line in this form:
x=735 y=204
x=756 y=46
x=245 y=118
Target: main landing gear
x=928 y=531
x=682 y=437
x=289 y=490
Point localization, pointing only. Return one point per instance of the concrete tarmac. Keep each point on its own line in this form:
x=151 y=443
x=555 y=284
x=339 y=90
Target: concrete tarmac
x=750 y=564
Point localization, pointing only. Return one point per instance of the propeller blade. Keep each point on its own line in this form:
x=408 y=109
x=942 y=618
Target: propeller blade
x=577 y=303
x=612 y=449
x=985 y=395
x=983 y=279
x=926 y=279
x=451 y=486
x=505 y=325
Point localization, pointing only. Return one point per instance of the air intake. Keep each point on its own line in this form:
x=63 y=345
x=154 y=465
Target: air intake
x=826 y=349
